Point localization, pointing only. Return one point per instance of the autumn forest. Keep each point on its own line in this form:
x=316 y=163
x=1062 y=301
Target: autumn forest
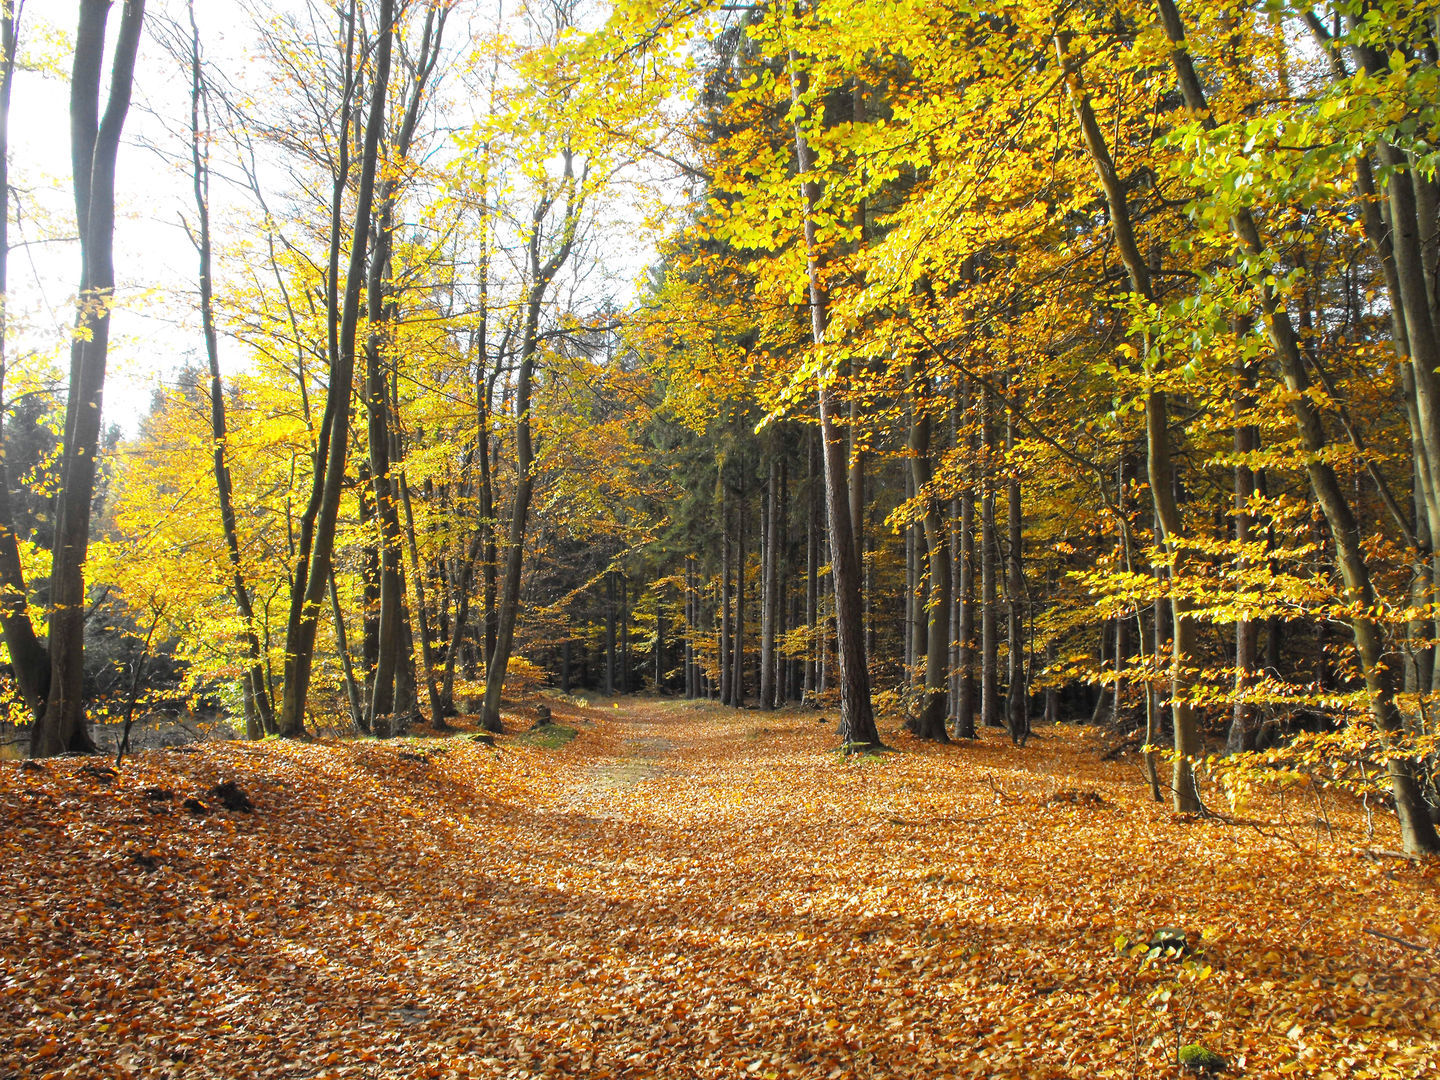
x=686 y=539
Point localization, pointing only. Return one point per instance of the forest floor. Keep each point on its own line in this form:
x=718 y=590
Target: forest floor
x=689 y=891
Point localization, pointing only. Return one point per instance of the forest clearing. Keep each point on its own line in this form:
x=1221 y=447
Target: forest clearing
x=686 y=890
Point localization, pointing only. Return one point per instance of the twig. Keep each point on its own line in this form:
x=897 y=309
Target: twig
x=1398 y=940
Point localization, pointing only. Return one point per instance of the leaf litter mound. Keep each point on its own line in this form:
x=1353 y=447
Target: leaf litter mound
x=665 y=896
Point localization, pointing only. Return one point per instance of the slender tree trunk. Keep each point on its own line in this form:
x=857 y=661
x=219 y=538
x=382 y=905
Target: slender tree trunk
x=312 y=572
x=1161 y=472
x=1017 y=712
x=814 y=494
x=857 y=720
x=352 y=688
x=727 y=683
x=417 y=573
x=28 y=657
x=770 y=602
x=200 y=177
x=624 y=635
x=659 y=645
x=610 y=633
x=737 y=663
x=989 y=635
x=1243 y=722
x=95 y=142
x=934 y=706
x=542 y=273
x=965 y=705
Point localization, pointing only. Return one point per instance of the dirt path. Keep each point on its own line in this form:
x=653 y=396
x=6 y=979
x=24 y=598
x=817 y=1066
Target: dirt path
x=682 y=891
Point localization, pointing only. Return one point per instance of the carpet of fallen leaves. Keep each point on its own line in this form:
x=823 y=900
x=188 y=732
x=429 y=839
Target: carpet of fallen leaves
x=686 y=891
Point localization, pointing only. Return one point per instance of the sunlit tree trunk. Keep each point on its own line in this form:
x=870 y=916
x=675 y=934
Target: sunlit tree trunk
x=542 y=272
x=934 y=706
x=737 y=659
x=857 y=720
x=1157 y=439
x=312 y=570
x=94 y=144
x=256 y=676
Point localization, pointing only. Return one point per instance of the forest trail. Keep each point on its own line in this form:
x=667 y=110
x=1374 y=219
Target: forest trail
x=684 y=891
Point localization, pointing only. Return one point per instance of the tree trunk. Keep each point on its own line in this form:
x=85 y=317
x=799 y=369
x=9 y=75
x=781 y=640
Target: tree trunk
x=812 y=562
x=1158 y=460
x=727 y=696
x=1017 y=711
x=770 y=601
x=934 y=706
x=857 y=720
x=541 y=275
x=28 y=657
x=200 y=176
x=417 y=574
x=624 y=635
x=737 y=662
x=1416 y=829
x=312 y=571
x=1244 y=720
x=610 y=633
x=989 y=636
x=352 y=688
x=95 y=142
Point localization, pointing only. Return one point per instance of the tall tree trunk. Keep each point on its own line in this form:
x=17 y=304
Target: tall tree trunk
x=542 y=273
x=989 y=636
x=1244 y=719
x=727 y=684
x=737 y=662
x=610 y=633
x=857 y=719
x=312 y=571
x=934 y=706
x=965 y=703
x=659 y=644
x=814 y=495
x=94 y=144
x=1017 y=711
x=624 y=635
x=1158 y=459
x=200 y=181
x=28 y=657
x=352 y=688
x=690 y=690
x=417 y=575
x=770 y=602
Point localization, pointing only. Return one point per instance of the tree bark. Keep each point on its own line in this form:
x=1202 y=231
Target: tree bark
x=989 y=636
x=1017 y=710
x=542 y=273
x=1157 y=438
x=737 y=661
x=770 y=603
x=95 y=142
x=200 y=183
x=312 y=571
x=934 y=704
